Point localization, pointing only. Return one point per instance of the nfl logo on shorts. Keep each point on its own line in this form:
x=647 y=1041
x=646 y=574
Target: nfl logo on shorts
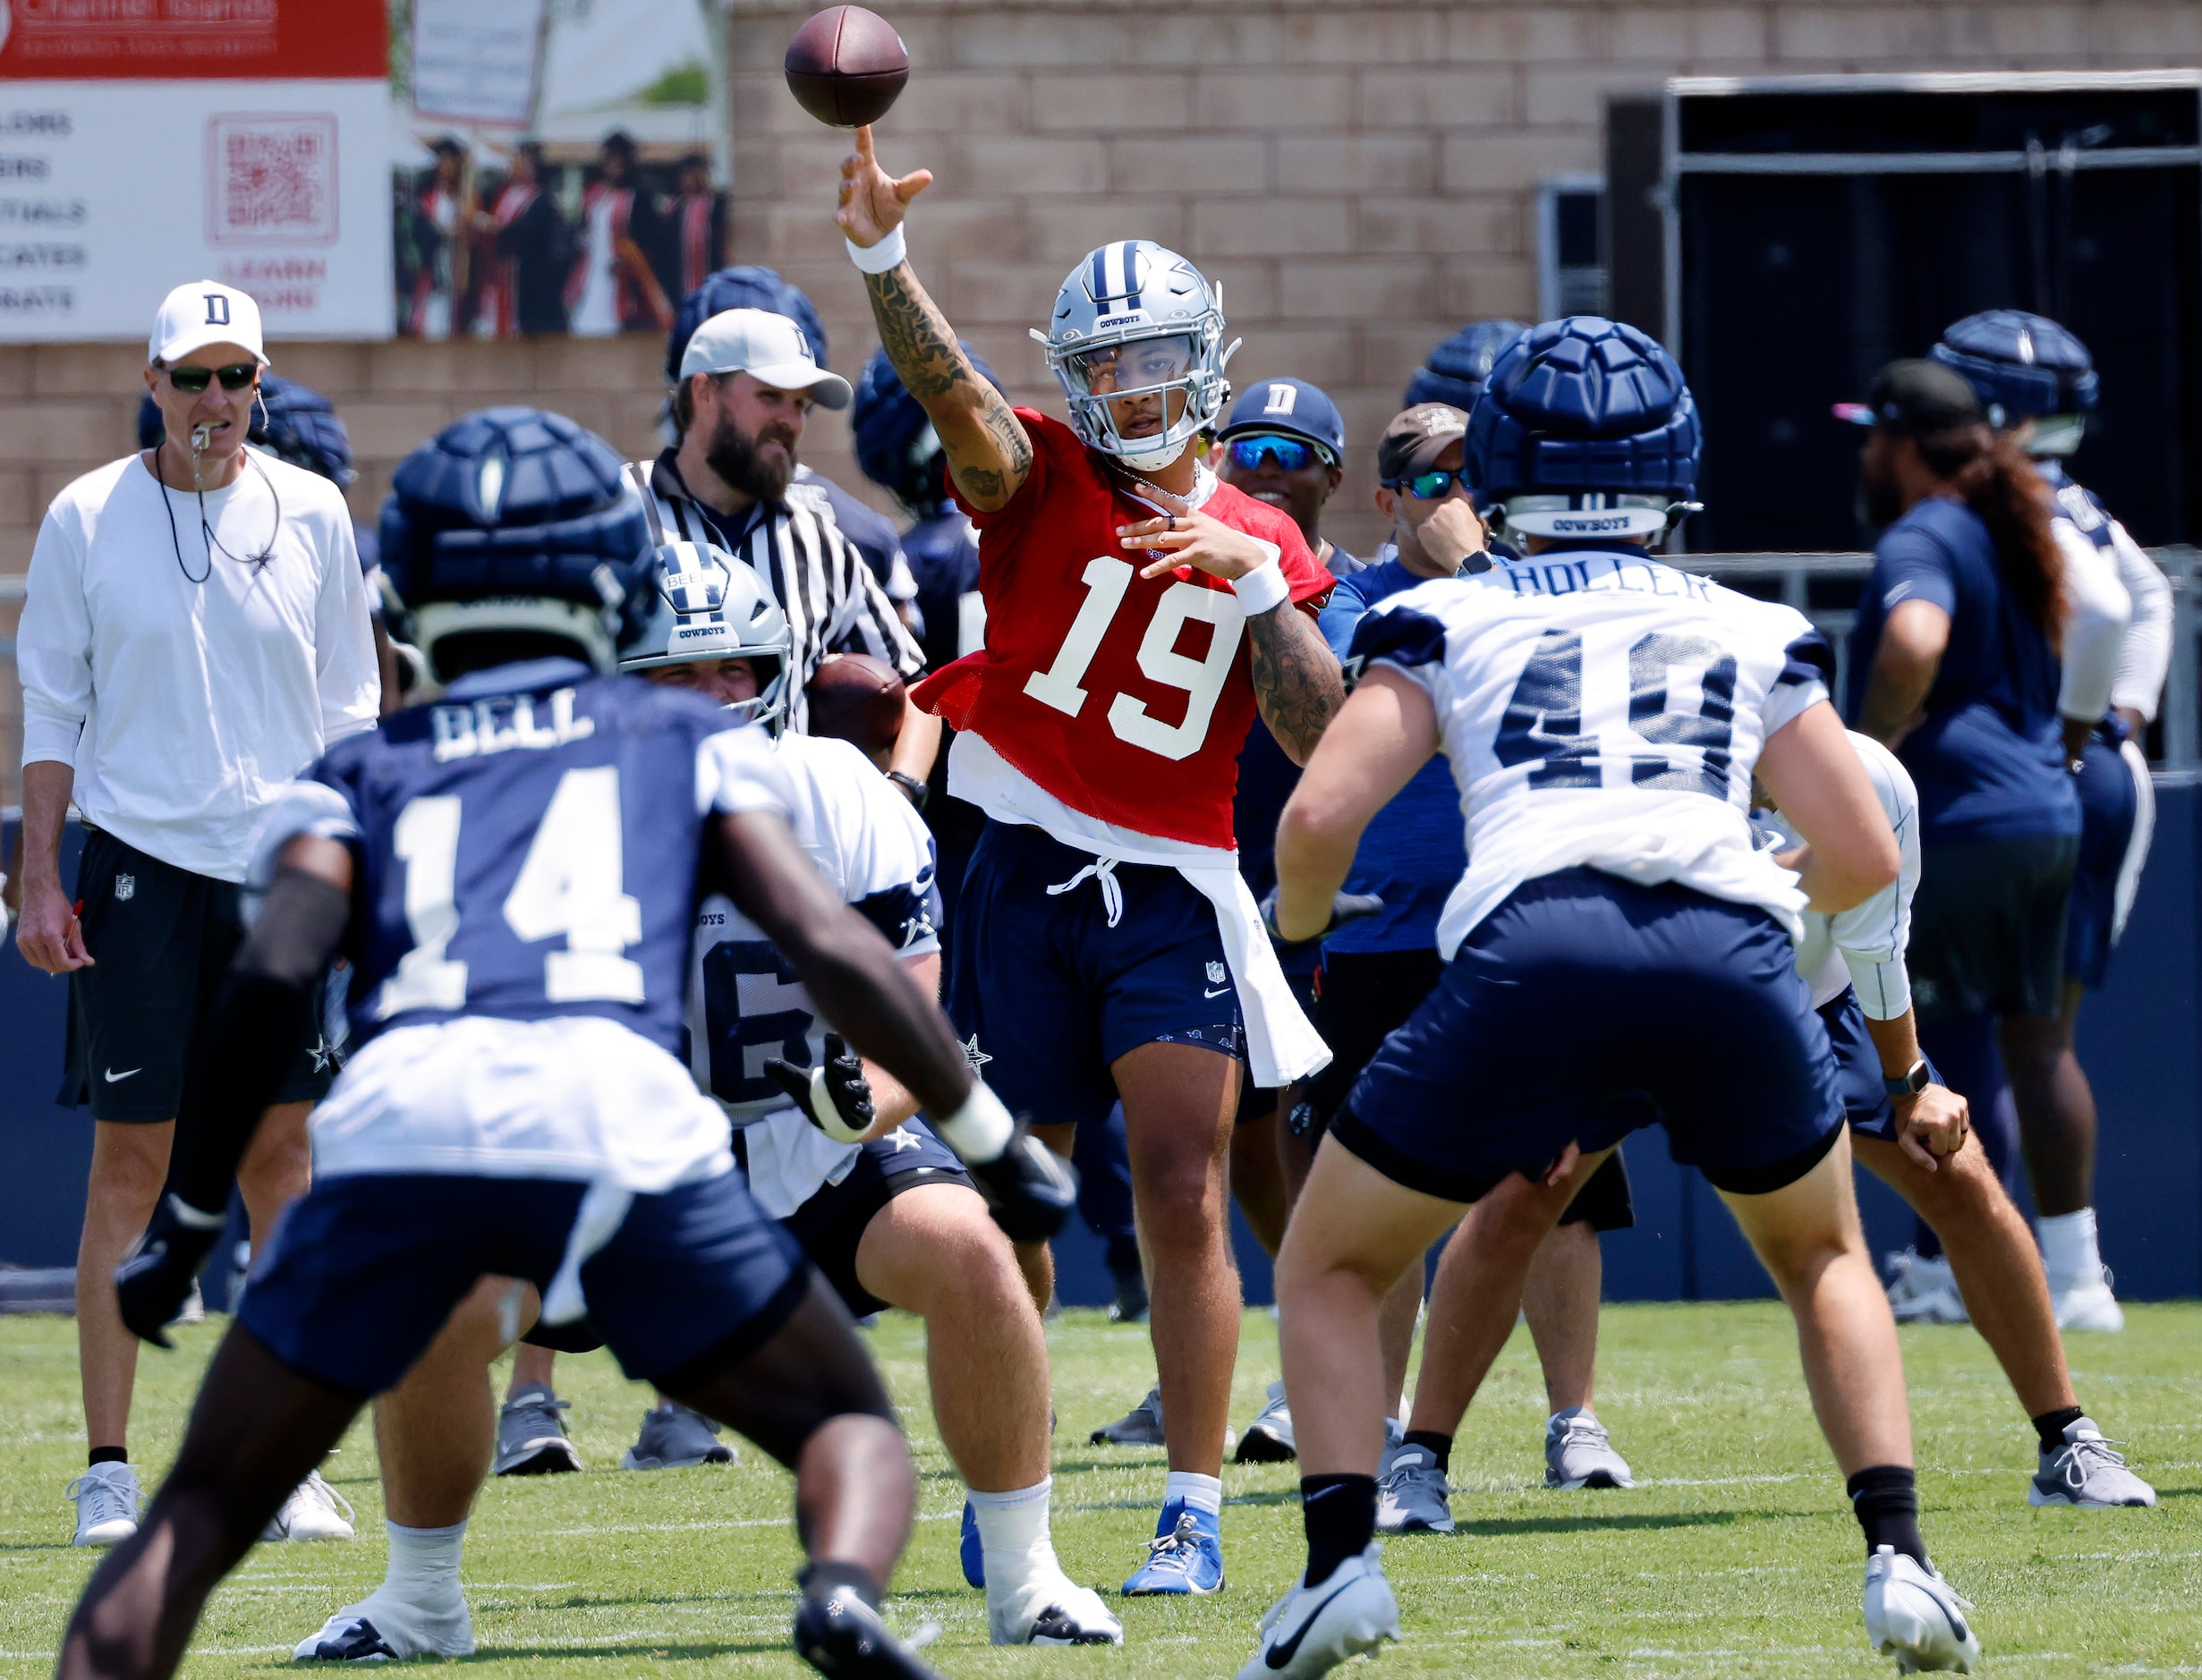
x=126 y=888
x=1215 y=973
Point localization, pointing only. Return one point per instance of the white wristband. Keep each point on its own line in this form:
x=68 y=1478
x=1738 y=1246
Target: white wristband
x=890 y=253
x=829 y=1117
x=979 y=1130
x=1261 y=588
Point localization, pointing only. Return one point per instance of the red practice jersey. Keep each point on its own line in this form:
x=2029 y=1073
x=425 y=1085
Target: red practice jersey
x=1127 y=699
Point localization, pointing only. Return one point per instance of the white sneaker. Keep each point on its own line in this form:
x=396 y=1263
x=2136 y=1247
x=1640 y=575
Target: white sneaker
x=107 y=1498
x=1269 y=1438
x=1411 y=1494
x=385 y=1628
x=1911 y=1614
x=311 y=1513
x=2088 y=1471
x=1049 y=1608
x=1577 y=1454
x=2086 y=1303
x=1923 y=1291
x=1311 y=1630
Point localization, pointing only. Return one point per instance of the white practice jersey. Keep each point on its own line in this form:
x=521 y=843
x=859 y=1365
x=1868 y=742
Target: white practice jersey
x=745 y=1005
x=1602 y=709
x=1864 y=946
x=2144 y=651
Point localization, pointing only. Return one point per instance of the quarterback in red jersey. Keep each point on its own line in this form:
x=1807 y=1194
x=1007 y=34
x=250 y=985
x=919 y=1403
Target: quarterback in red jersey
x=1138 y=612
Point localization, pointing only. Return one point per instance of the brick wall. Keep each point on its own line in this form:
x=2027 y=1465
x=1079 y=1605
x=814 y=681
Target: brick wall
x=1360 y=175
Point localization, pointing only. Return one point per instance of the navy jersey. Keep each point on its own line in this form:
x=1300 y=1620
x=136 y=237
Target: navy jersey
x=528 y=846
x=1988 y=760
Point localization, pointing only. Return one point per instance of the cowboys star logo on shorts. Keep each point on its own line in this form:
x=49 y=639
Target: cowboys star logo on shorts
x=1215 y=974
x=972 y=1054
x=125 y=888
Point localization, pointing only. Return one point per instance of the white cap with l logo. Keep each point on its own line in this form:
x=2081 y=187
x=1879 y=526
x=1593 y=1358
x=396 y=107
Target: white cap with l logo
x=201 y=313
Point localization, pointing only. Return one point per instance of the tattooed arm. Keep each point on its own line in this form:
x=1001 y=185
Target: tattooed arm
x=988 y=454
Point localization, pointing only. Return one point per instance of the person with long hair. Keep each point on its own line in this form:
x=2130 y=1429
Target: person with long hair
x=1958 y=664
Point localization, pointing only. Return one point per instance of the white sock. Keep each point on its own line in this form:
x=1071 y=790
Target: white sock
x=1203 y=1493
x=424 y=1563
x=1013 y=1531
x=2069 y=1250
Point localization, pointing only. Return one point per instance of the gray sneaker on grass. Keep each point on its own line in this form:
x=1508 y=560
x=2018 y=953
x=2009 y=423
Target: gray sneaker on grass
x=530 y=1436
x=673 y=1438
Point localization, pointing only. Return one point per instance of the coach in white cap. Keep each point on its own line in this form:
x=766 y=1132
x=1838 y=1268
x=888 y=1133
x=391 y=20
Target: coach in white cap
x=195 y=635
x=747 y=384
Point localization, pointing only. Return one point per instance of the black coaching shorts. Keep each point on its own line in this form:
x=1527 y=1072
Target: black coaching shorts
x=161 y=939
x=1988 y=927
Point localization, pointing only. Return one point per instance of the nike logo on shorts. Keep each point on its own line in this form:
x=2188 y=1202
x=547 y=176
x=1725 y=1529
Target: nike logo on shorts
x=1217 y=993
x=114 y=1078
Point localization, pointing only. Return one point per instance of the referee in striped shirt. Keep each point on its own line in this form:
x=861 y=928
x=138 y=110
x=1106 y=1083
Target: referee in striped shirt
x=747 y=383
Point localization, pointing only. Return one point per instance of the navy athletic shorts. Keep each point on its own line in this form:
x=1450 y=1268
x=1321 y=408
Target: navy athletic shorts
x=1583 y=1008
x=1048 y=989
x=1988 y=927
x=832 y=1222
x=1857 y=1068
x=2117 y=814
x=362 y=1271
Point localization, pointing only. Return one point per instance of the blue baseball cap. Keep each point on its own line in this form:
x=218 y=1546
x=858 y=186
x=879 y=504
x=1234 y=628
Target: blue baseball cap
x=1293 y=407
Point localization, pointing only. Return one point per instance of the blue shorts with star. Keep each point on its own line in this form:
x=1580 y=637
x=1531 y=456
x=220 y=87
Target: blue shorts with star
x=1858 y=1069
x=1059 y=964
x=1585 y=1006
x=362 y=1271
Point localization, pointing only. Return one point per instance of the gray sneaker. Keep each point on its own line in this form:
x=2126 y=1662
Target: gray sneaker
x=530 y=1436
x=1577 y=1455
x=2088 y=1471
x=1269 y=1439
x=1142 y=1426
x=673 y=1438
x=1411 y=1494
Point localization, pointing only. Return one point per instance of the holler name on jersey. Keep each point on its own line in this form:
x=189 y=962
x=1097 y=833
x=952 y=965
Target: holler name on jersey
x=527 y=851
x=1602 y=709
x=744 y=1002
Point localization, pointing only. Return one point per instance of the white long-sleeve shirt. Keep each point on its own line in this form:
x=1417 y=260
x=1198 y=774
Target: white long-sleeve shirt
x=2145 y=653
x=184 y=705
x=2098 y=611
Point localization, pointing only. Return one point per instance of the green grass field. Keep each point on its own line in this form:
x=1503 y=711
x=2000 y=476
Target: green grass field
x=1735 y=1556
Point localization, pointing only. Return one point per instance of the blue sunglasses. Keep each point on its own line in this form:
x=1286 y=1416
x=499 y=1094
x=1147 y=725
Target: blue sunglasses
x=1291 y=454
x=1427 y=487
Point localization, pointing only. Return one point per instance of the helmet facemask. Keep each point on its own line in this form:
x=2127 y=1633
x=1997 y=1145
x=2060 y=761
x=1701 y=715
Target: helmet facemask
x=709 y=607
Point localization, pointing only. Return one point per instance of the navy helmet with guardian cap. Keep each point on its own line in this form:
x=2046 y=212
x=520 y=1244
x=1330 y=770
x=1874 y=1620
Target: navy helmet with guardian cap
x=701 y=603
x=744 y=287
x=896 y=443
x=1135 y=319
x=2023 y=367
x=1585 y=429
x=1453 y=373
x=513 y=533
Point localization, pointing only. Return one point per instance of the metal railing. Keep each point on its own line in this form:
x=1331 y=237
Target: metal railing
x=1824 y=586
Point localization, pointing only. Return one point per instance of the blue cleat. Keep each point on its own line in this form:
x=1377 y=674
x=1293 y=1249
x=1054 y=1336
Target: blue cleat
x=973 y=1553
x=1185 y=1556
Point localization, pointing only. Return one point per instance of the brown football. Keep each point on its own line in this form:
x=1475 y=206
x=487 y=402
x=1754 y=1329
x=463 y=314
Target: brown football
x=858 y=698
x=845 y=66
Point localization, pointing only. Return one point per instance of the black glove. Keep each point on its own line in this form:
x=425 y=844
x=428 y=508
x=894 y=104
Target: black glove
x=1029 y=1189
x=1343 y=908
x=151 y=1284
x=838 y=1083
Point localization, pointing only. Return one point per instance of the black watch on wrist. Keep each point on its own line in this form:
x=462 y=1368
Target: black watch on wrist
x=1914 y=1080
x=914 y=790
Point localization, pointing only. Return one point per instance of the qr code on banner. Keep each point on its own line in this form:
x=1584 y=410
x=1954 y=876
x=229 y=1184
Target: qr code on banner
x=271 y=179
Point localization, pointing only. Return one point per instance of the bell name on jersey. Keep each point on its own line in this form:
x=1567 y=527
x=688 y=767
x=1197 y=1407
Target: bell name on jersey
x=1601 y=709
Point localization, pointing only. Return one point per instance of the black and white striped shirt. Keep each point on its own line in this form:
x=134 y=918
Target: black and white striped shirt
x=833 y=603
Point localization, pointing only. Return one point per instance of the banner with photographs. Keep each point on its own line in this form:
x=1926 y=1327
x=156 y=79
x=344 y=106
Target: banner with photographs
x=568 y=181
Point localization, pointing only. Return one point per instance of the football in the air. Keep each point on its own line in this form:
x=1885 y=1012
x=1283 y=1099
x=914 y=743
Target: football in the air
x=845 y=66
x=857 y=698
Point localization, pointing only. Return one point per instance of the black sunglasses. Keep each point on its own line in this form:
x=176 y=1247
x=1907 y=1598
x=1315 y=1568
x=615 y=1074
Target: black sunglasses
x=1291 y=454
x=236 y=376
x=1427 y=487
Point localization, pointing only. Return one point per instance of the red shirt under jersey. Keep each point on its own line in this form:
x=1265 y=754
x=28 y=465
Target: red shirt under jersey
x=1127 y=699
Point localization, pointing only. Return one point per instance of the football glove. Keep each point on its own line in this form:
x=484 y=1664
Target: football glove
x=835 y=1096
x=1343 y=908
x=152 y=1284
x=1029 y=1188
